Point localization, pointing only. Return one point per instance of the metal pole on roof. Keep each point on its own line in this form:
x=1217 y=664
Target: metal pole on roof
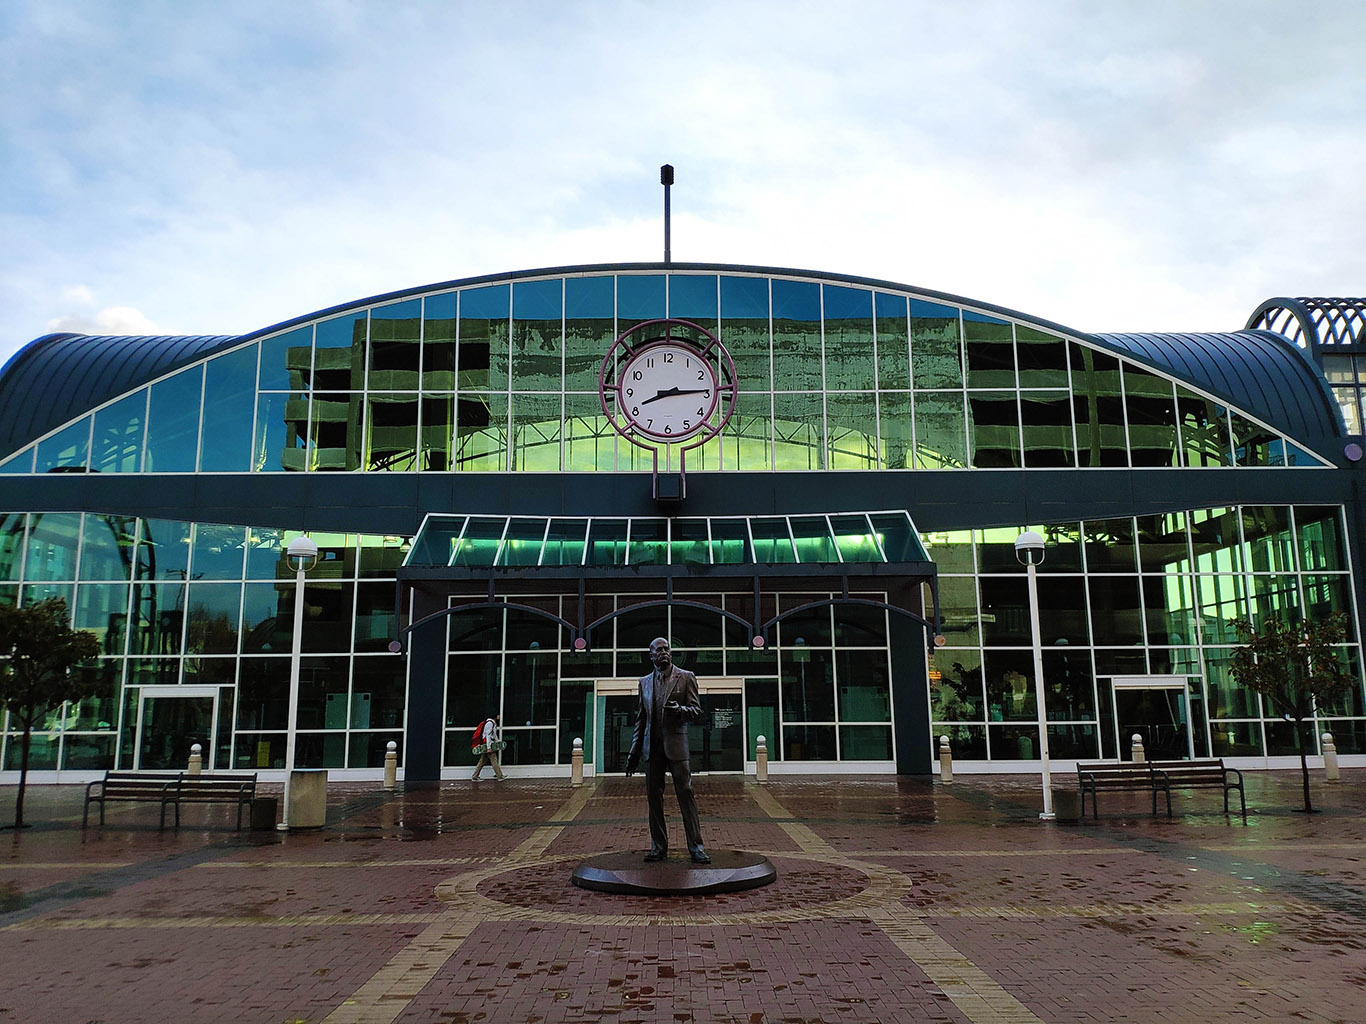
x=666 y=178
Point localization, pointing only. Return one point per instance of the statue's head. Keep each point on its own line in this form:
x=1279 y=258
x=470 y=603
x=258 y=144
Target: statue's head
x=660 y=655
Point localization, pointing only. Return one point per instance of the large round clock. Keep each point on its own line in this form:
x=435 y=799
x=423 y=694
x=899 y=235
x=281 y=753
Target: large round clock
x=667 y=381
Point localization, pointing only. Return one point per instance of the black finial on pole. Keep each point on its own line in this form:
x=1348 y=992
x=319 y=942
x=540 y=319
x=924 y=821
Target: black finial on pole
x=666 y=178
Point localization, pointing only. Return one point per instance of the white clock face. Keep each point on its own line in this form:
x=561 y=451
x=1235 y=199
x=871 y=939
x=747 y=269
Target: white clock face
x=668 y=391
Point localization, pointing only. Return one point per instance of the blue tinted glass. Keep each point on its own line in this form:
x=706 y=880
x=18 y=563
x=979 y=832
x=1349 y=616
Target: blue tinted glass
x=847 y=303
x=53 y=539
x=218 y=552
x=440 y=307
x=744 y=297
x=117 y=441
x=163 y=550
x=589 y=297
x=340 y=331
x=640 y=297
x=890 y=305
x=410 y=309
x=796 y=300
x=21 y=463
x=280 y=442
x=65 y=450
x=692 y=297
x=173 y=423
x=484 y=303
x=11 y=545
x=536 y=300
x=981 y=318
x=286 y=359
x=932 y=310
x=229 y=405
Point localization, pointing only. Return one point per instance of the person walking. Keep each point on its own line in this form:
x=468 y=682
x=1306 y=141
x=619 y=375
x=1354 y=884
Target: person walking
x=489 y=746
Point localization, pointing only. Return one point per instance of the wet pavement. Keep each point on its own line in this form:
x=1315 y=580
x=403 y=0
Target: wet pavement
x=897 y=900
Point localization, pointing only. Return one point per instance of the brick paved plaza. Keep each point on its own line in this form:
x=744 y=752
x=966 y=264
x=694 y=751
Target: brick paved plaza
x=897 y=900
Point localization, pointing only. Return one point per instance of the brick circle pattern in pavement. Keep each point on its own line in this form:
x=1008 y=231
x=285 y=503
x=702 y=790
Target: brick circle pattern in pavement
x=809 y=887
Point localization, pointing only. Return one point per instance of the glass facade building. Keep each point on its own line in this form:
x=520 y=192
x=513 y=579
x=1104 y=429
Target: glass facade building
x=839 y=571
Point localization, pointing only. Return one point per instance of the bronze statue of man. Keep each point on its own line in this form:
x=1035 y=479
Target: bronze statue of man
x=668 y=703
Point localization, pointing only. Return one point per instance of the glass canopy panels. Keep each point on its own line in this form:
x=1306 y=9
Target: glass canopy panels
x=511 y=541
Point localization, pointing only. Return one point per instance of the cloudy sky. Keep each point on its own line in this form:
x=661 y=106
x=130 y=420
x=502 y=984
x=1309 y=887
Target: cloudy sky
x=193 y=167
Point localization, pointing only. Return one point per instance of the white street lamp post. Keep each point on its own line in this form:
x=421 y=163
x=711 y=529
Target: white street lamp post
x=1029 y=550
x=302 y=553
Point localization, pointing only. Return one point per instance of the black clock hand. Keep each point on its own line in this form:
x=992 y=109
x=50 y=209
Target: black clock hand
x=673 y=393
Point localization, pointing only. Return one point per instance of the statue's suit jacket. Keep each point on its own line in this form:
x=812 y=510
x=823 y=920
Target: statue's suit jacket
x=681 y=686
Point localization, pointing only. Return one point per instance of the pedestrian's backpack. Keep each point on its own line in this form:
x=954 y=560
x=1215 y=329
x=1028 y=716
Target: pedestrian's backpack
x=478 y=736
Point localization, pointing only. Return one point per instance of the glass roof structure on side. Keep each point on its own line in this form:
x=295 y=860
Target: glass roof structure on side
x=518 y=541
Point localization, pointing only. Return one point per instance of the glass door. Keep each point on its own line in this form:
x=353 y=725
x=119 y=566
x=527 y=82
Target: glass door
x=1157 y=713
x=171 y=719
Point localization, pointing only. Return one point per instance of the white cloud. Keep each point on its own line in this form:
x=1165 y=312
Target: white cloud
x=114 y=320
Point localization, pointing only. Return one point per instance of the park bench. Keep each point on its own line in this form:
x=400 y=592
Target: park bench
x=1118 y=776
x=1203 y=774
x=169 y=789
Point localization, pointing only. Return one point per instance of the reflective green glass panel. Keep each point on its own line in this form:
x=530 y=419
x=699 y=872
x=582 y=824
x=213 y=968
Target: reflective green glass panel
x=893 y=341
x=607 y=542
x=894 y=429
x=649 y=542
x=339 y=353
x=65 y=451
x=173 y=423
x=281 y=432
x=590 y=442
x=1253 y=444
x=899 y=541
x=33 y=593
x=1320 y=535
x=564 y=543
x=53 y=540
x=1214 y=537
x=940 y=430
x=438 y=341
x=435 y=543
x=1169 y=609
x=1042 y=358
x=1098 y=403
x=1227 y=699
x=482 y=359
x=1205 y=437
x=536 y=335
x=1151 y=409
x=117 y=439
x=1221 y=599
x=334 y=431
x=796 y=336
x=745 y=329
x=989 y=350
x=994 y=429
x=163 y=551
x=589 y=329
x=391 y=430
x=287 y=360
x=12 y=531
x=438 y=429
x=808 y=688
x=1273 y=597
x=936 y=346
x=851 y=417
x=107 y=547
x=481 y=432
x=855 y=539
x=479 y=545
x=536 y=433
x=157 y=618
x=1162 y=543
x=522 y=542
x=1110 y=545
x=958 y=614
x=102 y=608
x=746 y=441
x=218 y=552
x=640 y=297
x=849 y=344
x=730 y=542
x=772 y=543
x=395 y=346
x=1326 y=595
x=1046 y=419
x=225 y=444
x=689 y=543
x=380 y=557
x=693 y=297
x=20 y=463
x=1268 y=542
x=812 y=537
x=798 y=434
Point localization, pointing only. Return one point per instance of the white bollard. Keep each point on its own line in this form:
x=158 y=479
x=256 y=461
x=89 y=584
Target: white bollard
x=576 y=764
x=196 y=764
x=1330 y=759
x=760 y=759
x=391 y=767
x=945 y=761
x=1139 y=757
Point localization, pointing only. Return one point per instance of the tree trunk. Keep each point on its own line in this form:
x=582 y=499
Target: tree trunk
x=23 y=774
x=1305 y=738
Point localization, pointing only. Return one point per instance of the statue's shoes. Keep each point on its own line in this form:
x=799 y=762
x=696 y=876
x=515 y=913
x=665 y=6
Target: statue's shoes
x=699 y=856
x=655 y=855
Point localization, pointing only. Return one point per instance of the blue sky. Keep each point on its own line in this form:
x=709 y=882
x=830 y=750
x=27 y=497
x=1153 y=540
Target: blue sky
x=193 y=167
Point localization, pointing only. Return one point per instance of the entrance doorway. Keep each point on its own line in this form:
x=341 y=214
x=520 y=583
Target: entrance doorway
x=716 y=742
x=1156 y=708
x=171 y=719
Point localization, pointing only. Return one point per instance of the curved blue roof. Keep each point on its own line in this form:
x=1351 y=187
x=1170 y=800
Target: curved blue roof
x=59 y=376
x=1258 y=372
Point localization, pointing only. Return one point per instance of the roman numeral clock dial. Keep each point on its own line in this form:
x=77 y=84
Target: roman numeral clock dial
x=664 y=381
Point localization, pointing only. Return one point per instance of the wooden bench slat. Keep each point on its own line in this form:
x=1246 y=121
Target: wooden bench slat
x=169 y=789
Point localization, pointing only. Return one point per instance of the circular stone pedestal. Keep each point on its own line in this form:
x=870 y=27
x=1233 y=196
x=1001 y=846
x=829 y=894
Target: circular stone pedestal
x=729 y=871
